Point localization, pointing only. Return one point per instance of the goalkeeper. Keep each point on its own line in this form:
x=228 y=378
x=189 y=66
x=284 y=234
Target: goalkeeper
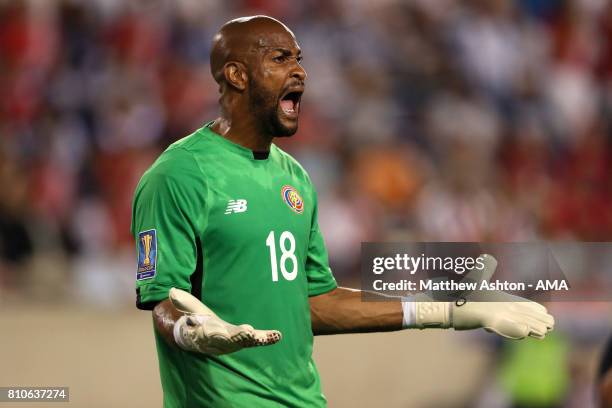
x=230 y=256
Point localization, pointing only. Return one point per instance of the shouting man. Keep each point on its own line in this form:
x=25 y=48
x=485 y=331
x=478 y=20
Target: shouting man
x=227 y=232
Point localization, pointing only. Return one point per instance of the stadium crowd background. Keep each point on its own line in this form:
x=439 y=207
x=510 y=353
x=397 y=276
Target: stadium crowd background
x=480 y=120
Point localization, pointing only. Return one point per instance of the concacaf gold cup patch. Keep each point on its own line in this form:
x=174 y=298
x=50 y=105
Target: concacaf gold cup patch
x=292 y=198
x=147 y=254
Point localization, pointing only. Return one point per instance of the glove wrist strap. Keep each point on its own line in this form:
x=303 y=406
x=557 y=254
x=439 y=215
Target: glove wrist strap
x=433 y=315
x=184 y=324
x=424 y=315
x=179 y=338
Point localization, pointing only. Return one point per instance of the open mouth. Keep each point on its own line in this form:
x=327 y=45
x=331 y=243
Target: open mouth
x=290 y=103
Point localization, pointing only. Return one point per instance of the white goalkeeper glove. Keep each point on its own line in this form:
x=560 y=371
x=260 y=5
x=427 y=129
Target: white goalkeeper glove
x=202 y=331
x=499 y=312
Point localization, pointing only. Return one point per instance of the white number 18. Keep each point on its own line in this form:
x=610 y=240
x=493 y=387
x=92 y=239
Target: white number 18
x=287 y=253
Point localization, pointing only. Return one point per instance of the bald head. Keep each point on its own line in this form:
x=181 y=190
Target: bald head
x=240 y=38
x=258 y=65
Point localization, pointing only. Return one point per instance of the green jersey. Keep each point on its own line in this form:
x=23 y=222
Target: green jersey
x=241 y=234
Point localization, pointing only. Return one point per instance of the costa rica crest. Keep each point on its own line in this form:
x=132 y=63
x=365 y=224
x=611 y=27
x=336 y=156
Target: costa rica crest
x=292 y=198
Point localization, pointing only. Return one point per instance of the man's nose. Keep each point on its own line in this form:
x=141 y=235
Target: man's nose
x=299 y=72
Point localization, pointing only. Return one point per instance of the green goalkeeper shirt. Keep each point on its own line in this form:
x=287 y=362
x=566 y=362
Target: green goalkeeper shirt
x=242 y=235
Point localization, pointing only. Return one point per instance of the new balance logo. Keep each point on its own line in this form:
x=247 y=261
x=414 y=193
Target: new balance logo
x=236 y=206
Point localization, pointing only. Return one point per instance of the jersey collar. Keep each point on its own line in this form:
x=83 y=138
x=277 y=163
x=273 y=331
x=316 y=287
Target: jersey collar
x=241 y=150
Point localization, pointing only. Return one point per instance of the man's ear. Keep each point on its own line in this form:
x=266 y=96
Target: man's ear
x=235 y=75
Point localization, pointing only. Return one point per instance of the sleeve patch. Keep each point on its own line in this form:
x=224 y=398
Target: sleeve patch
x=147 y=254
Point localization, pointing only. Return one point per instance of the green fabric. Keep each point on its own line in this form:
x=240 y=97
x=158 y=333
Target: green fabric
x=535 y=372
x=184 y=197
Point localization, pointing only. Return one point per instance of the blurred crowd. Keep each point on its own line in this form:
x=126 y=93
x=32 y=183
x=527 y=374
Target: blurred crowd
x=481 y=120
x=446 y=120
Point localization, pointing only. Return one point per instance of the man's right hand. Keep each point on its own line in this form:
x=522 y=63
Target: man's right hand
x=201 y=330
x=499 y=312
x=509 y=316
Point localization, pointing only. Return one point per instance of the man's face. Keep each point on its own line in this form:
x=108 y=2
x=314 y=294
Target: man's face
x=276 y=83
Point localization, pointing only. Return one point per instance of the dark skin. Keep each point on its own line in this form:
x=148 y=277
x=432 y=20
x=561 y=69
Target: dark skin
x=604 y=378
x=257 y=63
x=605 y=390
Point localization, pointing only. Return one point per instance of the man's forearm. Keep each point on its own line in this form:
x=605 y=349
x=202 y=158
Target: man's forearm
x=343 y=311
x=165 y=316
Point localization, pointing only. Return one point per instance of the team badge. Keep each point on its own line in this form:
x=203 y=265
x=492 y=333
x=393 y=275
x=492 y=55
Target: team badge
x=147 y=254
x=293 y=199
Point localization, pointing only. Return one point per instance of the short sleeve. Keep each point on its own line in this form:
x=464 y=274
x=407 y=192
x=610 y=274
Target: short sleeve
x=167 y=219
x=319 y=274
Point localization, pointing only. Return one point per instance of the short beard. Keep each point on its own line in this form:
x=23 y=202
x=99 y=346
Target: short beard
x=264 y=107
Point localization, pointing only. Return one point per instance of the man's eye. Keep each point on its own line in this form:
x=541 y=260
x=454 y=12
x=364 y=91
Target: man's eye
x=299 y=60
x=280 y=58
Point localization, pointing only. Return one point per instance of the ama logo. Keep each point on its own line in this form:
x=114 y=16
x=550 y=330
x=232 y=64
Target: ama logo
x=293 y=199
